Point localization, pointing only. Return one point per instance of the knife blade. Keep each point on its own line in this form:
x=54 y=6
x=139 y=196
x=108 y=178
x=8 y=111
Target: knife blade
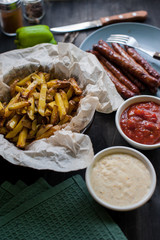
x=125 y=17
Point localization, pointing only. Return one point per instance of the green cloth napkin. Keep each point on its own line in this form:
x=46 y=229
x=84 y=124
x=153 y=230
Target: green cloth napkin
x=65 y=211
x=9 y=190
x=24 y=195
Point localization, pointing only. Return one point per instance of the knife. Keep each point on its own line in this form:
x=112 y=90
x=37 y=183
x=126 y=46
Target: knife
x=125 y=17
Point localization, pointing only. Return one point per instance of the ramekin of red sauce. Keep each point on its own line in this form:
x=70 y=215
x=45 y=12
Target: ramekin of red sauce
x=138 y=121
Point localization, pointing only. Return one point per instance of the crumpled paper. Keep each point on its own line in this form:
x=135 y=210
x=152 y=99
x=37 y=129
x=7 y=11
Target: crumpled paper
x=68 y=149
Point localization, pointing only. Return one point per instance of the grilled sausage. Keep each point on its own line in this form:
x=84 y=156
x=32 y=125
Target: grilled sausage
x=118 y=49
x=139 y=59
x=136 y=82
x=122 y=89
x=132 y=78
x=117 y=73
x=125 y=54
x=122 y=62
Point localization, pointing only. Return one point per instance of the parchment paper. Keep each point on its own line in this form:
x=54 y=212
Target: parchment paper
x=68 y=149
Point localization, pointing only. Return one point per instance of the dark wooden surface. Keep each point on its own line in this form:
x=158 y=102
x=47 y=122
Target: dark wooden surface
x=140 y=224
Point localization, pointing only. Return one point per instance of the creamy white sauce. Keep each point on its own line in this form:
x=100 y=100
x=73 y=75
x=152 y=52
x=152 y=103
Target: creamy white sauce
x=120 y=179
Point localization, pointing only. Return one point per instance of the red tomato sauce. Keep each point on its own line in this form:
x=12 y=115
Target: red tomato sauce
x=141 y=122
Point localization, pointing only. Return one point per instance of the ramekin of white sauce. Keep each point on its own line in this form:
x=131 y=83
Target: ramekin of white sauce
x=121 y=178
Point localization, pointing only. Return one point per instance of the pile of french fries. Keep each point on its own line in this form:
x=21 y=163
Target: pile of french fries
x=39 y=106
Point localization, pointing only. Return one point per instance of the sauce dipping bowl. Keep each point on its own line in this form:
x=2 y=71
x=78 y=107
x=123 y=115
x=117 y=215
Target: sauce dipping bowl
x=91 y=178
x=125 y=105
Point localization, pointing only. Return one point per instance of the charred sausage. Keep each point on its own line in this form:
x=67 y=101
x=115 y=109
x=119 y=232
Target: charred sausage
x=122 y=89
x=114 y=57
x=143 y=62
x=117 y=73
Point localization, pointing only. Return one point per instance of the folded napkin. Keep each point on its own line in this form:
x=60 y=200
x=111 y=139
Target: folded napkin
x=65 y=211
x=8 y=190
x=24 y=195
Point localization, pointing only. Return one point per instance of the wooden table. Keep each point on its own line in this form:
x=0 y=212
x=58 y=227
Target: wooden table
x=140 y=224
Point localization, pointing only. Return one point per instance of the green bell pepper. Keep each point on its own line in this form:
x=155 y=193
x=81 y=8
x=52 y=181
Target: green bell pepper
x=32 y=35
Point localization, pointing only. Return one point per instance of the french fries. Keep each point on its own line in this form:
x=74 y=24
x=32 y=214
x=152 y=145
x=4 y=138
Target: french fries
x=29 y=89
x=18 y=105
x=13 y=122
x=51 y=105
x=43 y=129
x=15 y=99
x=17 y=129
x=65 y=100
x=24 y=80
x=61 y=107
x=22 y=138
x=31 y=108
x=42 y=99
x=54 y=115
x=1 y=110
x=70 y=92
x=75 y=86
x=39 y=106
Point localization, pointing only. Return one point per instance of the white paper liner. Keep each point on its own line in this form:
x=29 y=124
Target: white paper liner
x=68 y=149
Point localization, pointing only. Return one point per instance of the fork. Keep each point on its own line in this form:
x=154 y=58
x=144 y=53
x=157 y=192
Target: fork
x=70 y=37
x=132 y=42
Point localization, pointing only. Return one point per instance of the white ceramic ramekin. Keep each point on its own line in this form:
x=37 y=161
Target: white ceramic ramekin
x=134 y=153
x=126 y=104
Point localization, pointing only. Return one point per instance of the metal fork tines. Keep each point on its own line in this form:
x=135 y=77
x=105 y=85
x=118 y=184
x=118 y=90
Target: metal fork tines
x=129 y=41
x=123 y=39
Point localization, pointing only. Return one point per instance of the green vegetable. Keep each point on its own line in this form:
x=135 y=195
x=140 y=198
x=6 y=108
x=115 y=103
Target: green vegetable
x=32 y=35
